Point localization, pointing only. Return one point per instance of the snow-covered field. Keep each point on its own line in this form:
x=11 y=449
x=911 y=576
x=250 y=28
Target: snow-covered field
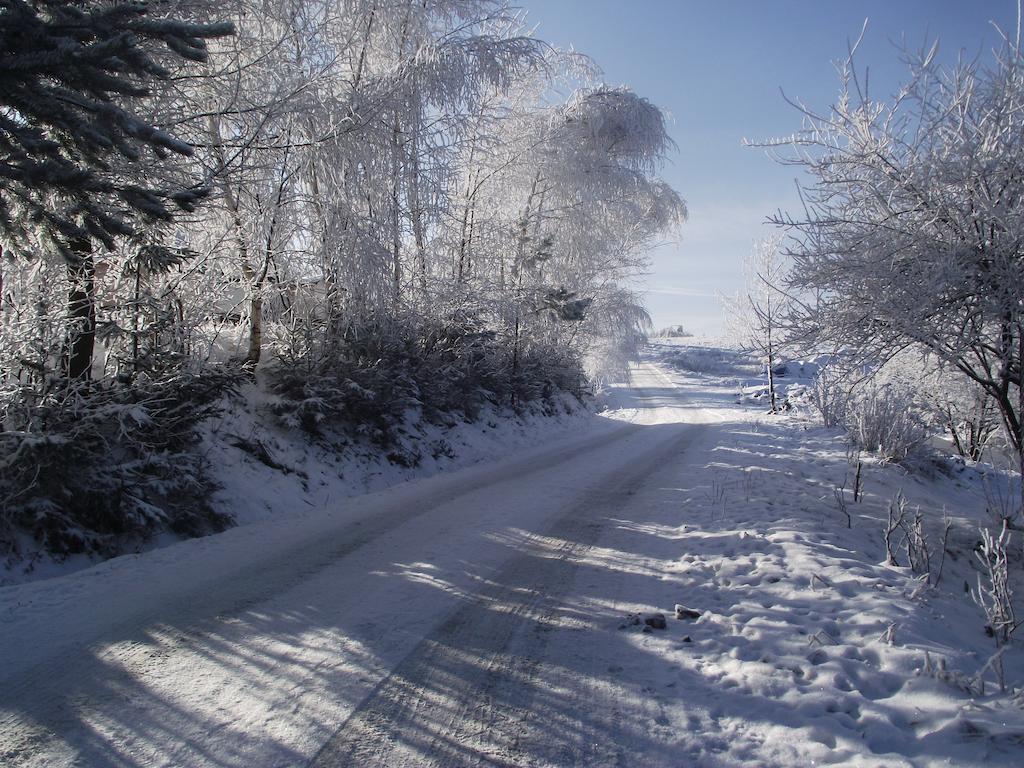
x=494 y=615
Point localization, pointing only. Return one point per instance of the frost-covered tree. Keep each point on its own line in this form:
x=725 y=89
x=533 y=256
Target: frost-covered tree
x=75 y=169
x=336 y=131
x=404 y=212
x=913 y=232
x=575 y=202
x=757 y=315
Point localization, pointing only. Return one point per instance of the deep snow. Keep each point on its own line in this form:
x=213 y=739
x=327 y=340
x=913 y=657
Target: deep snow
x=478 y=617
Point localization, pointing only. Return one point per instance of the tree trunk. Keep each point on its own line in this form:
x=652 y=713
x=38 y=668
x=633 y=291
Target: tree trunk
x=396 y=231
x=515 y=361
x=252 y=358
x=396 y=171
x=466 y=227
x=415 y=204
x=524 y=226
x=1020 y=412
x=769 y=323
x=462 y=266
x=136 y=319
x=81 y=343
x=257 y=281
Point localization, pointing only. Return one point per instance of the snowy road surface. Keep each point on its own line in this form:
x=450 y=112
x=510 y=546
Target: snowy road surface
x=446 y=621
x=476 y=618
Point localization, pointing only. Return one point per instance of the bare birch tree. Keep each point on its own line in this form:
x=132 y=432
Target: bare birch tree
x=757 y=315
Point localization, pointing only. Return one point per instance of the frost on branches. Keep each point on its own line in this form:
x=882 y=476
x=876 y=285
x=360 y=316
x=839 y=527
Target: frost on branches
x=81 y=166
x=914 y=229
x=381 y=207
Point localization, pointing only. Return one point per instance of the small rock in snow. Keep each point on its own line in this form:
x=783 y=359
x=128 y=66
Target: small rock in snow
x=682 y=612
x=631 y=620
x=656 y=621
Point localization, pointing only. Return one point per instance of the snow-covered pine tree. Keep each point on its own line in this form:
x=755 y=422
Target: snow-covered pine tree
x=74 y=155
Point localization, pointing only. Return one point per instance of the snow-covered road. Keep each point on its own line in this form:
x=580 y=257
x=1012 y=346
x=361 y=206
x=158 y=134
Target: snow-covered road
x=479 y=617
x=453 y=620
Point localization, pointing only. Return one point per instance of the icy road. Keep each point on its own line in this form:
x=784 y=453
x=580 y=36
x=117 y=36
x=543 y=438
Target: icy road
x=465 y=619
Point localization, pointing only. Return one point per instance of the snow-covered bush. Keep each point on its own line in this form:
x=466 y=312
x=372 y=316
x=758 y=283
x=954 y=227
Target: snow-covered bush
x=966 y=410
x=379 y=367
x=885 y=409
x=885 y=419
x=945 y=399
x=922 y=556
x=672 y=332
x=910 y=224
x=1002 y=492
x=994 y=594
x=98 y=468
x=829 y=396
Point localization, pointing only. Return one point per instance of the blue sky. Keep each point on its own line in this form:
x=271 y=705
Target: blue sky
x=717 y=66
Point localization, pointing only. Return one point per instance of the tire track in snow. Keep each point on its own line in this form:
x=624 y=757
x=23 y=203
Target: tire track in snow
x=466 y=695
x=49 y=700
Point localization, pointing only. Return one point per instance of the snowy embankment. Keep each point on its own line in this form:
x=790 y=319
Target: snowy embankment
x=485 y=616
x=266 y=473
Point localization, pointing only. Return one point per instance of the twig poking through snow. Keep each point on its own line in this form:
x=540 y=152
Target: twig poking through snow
x=820 y=637
x=996 y=599
x=889 y=636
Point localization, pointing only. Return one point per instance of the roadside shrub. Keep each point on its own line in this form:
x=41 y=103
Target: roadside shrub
x=378 y=367
x=94 y=468
x=829 y=396
x=883 y=410
x=968 y=413
x=885 y=419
